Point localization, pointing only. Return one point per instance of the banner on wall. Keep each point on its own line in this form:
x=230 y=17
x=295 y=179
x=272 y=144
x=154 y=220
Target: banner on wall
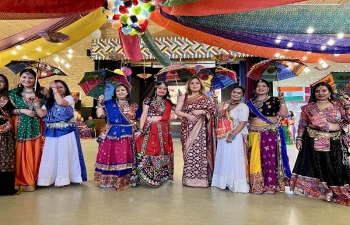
x=292 y=94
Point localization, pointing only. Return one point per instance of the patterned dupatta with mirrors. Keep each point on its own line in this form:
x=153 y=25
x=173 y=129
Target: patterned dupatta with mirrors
x=29 y=127
x=118 y=122
x=282 y=142
x=225 y=122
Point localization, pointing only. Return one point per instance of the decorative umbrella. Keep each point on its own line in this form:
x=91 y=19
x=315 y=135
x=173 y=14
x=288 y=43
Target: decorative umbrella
x=101 y=82
x=206 y=75
x=277 y=69
x=175 y=72
x=53 y=36
x=339 y=81
x=42 y=69
x=144 y=75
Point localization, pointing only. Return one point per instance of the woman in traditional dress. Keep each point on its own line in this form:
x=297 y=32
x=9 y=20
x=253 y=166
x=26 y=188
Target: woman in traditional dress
x=155 y=152
x=286 y=131
x=269 y=164
x=231 y=162
x=62 y=162
x=292 y=129
x=322 y=167
x=116 y=157
x=7 y=142
x=84 y=131
x=27 y=128
x=197 y=134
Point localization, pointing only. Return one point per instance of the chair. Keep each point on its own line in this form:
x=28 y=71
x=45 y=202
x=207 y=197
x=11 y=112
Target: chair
x=93 y=132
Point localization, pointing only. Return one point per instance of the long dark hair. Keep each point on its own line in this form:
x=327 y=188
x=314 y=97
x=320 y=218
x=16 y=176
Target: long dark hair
x=261 y=81
x=114 y=97
x=20 y=86
x=329 y=87
x=5 y=92
x=51 y=99
x=152 y=94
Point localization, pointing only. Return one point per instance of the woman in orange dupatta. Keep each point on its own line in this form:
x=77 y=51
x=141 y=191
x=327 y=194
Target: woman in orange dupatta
x=197 y=134
x=27 y=128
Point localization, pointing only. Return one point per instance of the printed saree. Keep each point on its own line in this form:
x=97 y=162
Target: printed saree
x=198 y=142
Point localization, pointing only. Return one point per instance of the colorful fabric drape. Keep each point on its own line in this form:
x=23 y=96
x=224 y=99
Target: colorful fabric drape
x=153 y=48
x=76 y=31
x=287 y=19
x=32 y=33
x=302 y=42
x=237 y=46
x=210 y=7
x=131 y=45
x=33 y=9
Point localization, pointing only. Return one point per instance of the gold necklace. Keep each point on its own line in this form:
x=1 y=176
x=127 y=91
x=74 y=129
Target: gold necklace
x=322 y=102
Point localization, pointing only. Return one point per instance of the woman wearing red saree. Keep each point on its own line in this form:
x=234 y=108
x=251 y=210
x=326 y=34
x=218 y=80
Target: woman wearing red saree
x=155 y=152
x=197 y=134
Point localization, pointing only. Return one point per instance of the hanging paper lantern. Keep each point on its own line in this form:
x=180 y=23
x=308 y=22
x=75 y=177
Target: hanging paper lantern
x=131 y=15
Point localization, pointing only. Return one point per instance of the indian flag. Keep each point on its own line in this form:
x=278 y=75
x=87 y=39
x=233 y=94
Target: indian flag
x=292 y=94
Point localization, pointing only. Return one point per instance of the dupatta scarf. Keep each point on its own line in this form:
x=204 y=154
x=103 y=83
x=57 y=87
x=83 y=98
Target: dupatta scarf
x=28 y=127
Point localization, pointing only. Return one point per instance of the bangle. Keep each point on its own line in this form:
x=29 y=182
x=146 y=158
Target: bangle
x=298 y=138
x=231 y=135
x=37 y=107
x=54 y=93
x=282 y=101
x=17 y=111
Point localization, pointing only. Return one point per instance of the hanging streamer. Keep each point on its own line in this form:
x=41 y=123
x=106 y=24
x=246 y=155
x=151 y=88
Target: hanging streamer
x=153 y=48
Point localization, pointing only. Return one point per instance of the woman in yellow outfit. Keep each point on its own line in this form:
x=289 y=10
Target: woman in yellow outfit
x=269 y=166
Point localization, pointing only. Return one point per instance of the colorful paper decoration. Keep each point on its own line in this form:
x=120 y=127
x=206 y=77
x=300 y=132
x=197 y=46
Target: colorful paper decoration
x=131 y=16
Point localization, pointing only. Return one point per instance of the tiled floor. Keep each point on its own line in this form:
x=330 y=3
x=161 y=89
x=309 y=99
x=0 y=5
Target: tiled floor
x=172 y=203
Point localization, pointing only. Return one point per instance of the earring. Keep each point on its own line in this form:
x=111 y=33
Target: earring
x=155 y=95
x=19 y=85
x=329 y=97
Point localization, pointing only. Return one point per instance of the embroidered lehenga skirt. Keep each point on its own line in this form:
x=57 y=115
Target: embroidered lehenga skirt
x=155 y=155
x=322 y=174
x=7 y=163
x=114 y=163
x=267 y=170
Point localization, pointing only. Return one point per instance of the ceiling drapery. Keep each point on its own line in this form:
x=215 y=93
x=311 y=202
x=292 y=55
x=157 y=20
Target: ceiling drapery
x=213 y=7
x=42 y=9
x=301 y=42
x=76 y=31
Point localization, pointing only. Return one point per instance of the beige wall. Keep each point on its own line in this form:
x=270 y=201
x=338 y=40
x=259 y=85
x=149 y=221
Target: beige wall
x=79 y=64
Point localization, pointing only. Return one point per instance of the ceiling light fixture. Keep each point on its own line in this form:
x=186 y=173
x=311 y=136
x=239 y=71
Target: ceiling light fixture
x=310 y=30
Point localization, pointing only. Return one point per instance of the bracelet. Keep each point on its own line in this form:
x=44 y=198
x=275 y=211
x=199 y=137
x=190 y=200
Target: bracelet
x=346 y=106
x=54 y=93
x=298 y=138
x=37 y=107
x=231 y=135
x=17 y=111
x=282 y=101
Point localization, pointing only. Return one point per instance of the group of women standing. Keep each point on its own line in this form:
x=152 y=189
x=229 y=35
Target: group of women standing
x=39 y=144
x=219 y=148
x=322 y=168
x=128 y=154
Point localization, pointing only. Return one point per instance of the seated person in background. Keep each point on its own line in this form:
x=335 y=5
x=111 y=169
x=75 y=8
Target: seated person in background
x=84 y=131
x=90 y=123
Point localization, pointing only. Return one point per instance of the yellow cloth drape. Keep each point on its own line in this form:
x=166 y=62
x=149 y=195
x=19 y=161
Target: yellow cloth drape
x=76 y=31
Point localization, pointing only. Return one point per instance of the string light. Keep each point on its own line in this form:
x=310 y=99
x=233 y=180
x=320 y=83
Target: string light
x=70 y=51
x=69 y=56
x=67 y=65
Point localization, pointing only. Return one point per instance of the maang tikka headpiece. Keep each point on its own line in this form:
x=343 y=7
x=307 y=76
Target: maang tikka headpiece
x=162 y=85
